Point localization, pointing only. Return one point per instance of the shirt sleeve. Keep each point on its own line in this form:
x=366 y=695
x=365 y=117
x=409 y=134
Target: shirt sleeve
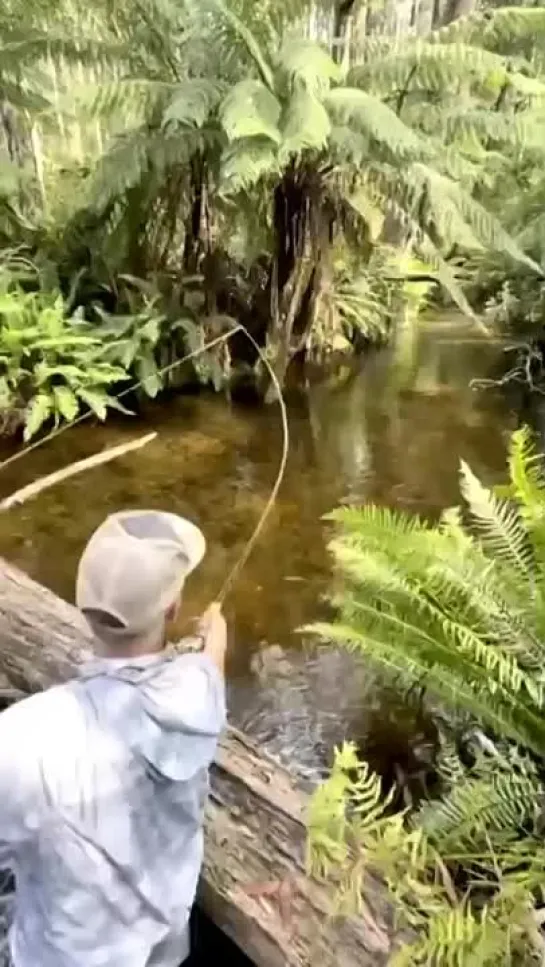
x=202 y=693
x=186 y=706
x=18 y=773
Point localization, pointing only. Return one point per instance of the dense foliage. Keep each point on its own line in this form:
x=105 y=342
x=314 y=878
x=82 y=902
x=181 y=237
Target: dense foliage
x=240 y=167
x=459 y=609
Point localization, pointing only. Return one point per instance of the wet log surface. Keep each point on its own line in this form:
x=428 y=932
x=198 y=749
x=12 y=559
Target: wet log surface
x=253 y=884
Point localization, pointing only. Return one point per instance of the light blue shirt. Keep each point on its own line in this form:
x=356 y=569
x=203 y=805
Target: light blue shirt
x=103 y=783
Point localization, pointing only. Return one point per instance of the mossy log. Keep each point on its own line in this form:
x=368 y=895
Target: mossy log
x=253 y=884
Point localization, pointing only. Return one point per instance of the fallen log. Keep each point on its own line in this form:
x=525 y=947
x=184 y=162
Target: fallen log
x=253 y=885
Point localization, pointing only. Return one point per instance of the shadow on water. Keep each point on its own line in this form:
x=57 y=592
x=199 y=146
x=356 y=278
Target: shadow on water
x=390 y=432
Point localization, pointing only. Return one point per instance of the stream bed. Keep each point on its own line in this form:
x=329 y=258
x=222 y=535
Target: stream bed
x=391 y=431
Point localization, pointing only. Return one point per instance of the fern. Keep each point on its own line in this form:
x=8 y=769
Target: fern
x=251 y=110
x=304 y=63
x=375 y=119
x=306 y=125
x=458 y=609
x=353 y=837
x=499 y=524
x=485 y=810
x=429 y=67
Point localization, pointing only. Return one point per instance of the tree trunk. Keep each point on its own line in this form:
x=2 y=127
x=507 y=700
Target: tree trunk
x=253 y=884
x=193 y=231
x=455 y=9
x=11 y=134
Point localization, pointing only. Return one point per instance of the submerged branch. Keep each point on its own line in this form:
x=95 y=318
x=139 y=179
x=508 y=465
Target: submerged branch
x=43 y=483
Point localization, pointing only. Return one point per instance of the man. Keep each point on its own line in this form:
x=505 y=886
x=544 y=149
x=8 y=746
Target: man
x=103 y=780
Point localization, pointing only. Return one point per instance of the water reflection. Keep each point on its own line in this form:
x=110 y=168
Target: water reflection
x=390 y=432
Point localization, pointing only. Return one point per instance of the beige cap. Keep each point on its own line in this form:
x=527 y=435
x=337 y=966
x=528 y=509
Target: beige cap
x=133 y=569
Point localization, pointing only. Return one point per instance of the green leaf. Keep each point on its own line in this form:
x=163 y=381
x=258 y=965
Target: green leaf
x=248 y=161
x=37 y=412
x=499 y=523
x=247 y=37
x=97 y=401
x=191 y=102
x=65 y=342
x=368 y=114
x=148 y=374
x=121 y=350
x=114 y=404
x=250 y=110
x=66 y=402
x=151 y=331
x=306 y=125
x=43 y=373
x=307 y=64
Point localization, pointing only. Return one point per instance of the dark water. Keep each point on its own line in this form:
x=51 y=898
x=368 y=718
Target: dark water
x=393 y=432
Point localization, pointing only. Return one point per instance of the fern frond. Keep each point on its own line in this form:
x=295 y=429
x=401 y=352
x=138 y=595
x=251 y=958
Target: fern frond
x=463 y=687
x=505 y=127
x=129 y=100
x=306 y=125
x=251 y=110
x=526 y=475
x=133 y=157
x=514 y=23
x=191 y=102
x=443 y=194
x=499 y=524
x=246 y=162
x=247 y=37
x=428 y=67
x=492 y=805
x=371 y=116
x=303 y=62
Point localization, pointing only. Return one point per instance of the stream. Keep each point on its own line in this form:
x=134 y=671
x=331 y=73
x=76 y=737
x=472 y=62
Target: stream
x=391 y=430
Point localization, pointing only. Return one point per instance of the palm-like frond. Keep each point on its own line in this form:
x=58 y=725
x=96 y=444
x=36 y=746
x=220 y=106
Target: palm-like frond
x=305 y=63
x=251 y=110
x=428 y=66
x=306 y=126
x=498 y=523
x=366 y=113
x=486 y=922
x=485 y=810
x=459 y=609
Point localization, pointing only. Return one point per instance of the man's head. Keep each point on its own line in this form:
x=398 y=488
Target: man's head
x=131 y=575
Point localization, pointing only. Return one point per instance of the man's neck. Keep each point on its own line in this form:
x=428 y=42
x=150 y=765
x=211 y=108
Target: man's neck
x=131 y=650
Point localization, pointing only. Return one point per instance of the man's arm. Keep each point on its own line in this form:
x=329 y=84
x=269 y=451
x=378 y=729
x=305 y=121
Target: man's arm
x=18 y=783
x=214 y=632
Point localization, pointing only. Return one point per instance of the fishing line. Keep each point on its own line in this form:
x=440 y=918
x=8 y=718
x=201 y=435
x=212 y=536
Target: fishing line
x=250 y=544
x=118 y=396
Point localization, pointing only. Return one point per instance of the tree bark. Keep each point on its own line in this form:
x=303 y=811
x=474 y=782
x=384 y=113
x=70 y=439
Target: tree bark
x=456 y=9
x=253 y=884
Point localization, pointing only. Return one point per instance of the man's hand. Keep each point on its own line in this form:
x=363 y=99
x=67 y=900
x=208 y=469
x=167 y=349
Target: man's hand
x=214 y=632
